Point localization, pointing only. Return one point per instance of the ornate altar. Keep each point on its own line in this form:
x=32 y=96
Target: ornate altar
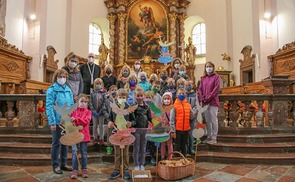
x=225 y=77
x=136 y=27
x=247 y=66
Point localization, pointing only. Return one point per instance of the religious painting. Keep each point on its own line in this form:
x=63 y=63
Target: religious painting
x=2 y=17
x=147 y=24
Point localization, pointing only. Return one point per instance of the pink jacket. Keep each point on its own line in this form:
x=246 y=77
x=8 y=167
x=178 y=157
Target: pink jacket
x=83 y=117
x=166 y=119
x=209 y=89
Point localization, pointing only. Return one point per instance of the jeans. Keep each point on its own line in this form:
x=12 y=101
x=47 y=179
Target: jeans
x=98 y=121
x=190 y=137
x=82 y=148
x=139 y=147
x=58 y=149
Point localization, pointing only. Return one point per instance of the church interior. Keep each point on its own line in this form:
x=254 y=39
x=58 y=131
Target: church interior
x=251 y=43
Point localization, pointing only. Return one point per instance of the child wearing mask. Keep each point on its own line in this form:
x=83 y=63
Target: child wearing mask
x=122 y=96
x=59 y=94
x=157 y=97
x=109 y=79
x=130 y=87
x=153 y=78
x=164 y=83
x=98 y=106
x=123 y=76
x=182 y=73
x=208 y=95
x=192 y=99
x=171 y=88
x=142 y=119
x=175 y=67
x=144 y=84
x=180 y=83
x=180 y=121
x=167 y=101
x=81 y=117
x=75 y=81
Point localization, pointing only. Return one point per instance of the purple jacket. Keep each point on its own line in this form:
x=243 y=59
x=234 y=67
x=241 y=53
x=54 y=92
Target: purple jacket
x=209 y=89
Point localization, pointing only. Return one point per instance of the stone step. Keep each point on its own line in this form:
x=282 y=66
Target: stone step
x=275 y=148
x=255 y=130
x=246 y=158
x=26 y=138
x=257 y=138
x=13 y=159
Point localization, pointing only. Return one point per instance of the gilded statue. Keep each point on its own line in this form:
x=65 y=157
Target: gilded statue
x=190 y=51
x=103 y=52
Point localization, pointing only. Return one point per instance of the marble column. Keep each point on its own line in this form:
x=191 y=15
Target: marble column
x=112 y=19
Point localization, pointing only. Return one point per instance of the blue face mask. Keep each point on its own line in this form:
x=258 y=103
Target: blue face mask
x=181 y=97
x=182 y=73
x=132 y=83
x=188 y=88
x=171 y=86
x=180 y=86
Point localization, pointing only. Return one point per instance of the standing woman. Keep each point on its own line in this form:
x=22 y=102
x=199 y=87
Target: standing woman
x=75 y=81
x=208 y=95
x=109 y=79
x=123 y=76
x=136 y=68
x=58 y=94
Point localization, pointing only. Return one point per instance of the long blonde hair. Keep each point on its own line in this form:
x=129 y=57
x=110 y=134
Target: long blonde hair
x=131 y=77
x=121 y=72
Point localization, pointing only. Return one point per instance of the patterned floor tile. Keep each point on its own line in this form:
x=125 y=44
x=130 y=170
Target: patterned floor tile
x=15 y=174
x=243 y=179
x=238 y=170
x=222 y=176
x=287 y=179
x=210 y=166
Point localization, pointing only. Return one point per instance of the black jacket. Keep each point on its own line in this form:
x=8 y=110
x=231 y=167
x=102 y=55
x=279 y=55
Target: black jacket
x=142 y=116
x=109 y=81
x=87 y=76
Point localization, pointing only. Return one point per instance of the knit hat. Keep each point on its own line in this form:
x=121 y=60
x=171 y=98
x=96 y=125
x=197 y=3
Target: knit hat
x=142 y=74
x=167 y=93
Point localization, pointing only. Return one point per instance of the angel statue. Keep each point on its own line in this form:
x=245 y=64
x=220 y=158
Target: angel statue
x=71 y=134
x=165 y=55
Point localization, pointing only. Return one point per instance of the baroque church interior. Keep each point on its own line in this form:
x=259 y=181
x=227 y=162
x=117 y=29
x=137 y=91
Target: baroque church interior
x=251 y=43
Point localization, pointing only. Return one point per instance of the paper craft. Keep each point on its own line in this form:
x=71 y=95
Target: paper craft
x=165 y=55
x=71 y=134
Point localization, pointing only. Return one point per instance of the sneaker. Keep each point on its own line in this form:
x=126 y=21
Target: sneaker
x=153 y=161
x=74 y=174
x=137 y=168
x=127 y=174
x=212 y=141
x=114 y=175
x=142 y=167
x=84 y=173
x=205 y=141
x=66 y=168
x=57 y=170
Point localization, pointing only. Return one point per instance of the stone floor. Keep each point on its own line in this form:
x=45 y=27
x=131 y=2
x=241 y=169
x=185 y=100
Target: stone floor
x=205 y=172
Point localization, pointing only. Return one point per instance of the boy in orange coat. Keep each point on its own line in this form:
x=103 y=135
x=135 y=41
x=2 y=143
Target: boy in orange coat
x=180 y=117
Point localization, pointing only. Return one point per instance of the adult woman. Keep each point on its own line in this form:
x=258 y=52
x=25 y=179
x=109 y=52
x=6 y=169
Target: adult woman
x=175 y=68
x=75 y=81
x=208 y=95
x=136 y=68
x=109 y=79
x=123 y=76
x=58 y=94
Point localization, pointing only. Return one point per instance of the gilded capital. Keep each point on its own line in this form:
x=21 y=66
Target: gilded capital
x=112 y=17
x=172 y=16
x=182 y=17
x=122 y=16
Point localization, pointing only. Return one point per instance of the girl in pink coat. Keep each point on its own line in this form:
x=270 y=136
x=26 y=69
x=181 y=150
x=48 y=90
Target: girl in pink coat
x=167 y=101
x=81 y=117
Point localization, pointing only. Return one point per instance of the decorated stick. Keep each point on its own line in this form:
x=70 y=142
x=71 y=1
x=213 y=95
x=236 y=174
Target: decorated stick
x=122 y=163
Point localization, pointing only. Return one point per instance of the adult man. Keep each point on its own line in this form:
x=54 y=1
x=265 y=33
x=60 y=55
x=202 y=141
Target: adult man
x=90 y=72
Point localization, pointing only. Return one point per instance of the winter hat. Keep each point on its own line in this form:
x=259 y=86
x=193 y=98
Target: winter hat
x=167 y=93
x=142 y=74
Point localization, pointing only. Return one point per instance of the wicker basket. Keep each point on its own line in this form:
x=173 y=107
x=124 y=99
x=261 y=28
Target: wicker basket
x=176 y=172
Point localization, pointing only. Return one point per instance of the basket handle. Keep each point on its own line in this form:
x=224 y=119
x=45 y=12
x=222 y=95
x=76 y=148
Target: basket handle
x=175 y=152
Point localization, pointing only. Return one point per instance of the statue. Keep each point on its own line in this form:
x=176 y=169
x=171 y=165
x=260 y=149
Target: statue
x=103 y=52
x=190 y=51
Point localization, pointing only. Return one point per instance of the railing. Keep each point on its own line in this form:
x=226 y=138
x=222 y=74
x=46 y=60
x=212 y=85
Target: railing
x=244 y=111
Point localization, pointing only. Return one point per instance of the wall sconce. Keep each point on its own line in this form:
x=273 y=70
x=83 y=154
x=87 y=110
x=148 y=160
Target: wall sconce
x=33 y=17
x=225 y=57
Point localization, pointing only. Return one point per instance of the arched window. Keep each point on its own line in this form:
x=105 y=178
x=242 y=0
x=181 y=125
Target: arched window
x=94 y=38
x=199 y=38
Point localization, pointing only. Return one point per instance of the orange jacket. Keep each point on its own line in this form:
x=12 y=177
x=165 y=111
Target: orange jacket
x=182 y=115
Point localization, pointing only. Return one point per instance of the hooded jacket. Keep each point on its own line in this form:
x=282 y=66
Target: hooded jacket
x=82 y=118
x=57 y=95
x=75 y=81
x=209 y=89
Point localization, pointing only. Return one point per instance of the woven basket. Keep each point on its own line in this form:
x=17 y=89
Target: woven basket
x=176 y=172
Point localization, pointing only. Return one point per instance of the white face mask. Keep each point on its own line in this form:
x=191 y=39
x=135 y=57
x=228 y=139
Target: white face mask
x=72 y=64
x=121 y=101
x=166 y=102
x=176 y=65
x=98 y=87
x=82 y=104
x=61 y=81
x=209 y=69
x=90 y=60
x=137 y=66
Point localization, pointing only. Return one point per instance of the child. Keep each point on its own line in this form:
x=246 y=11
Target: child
x=58 y=94
x=98 y=106
x=144 y=84
x=171 y=88
x=157 y=97
x=153 y=78
x=130 y=87
x=122 y=96
x=123 y=76
x=163 y=80
x=81 y=117
x=167 y=101
x=109 y=79
x=182 y=73
x=180 y=83
x=175 y=68
x=191 y=98
x=180 y=121
x=142 y=117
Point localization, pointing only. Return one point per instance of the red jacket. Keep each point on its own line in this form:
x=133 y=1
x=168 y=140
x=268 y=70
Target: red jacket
x=83 y=117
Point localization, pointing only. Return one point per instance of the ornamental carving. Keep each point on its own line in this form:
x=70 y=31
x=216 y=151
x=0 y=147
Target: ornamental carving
x=11 y=66
x=288 y=46
x=289 y=65
x=6 y=45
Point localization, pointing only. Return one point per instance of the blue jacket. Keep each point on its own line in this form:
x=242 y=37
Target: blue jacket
x=145 y=86
x=57 y=95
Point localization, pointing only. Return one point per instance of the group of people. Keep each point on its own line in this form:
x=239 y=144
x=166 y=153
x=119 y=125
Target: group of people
x=132 y=87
